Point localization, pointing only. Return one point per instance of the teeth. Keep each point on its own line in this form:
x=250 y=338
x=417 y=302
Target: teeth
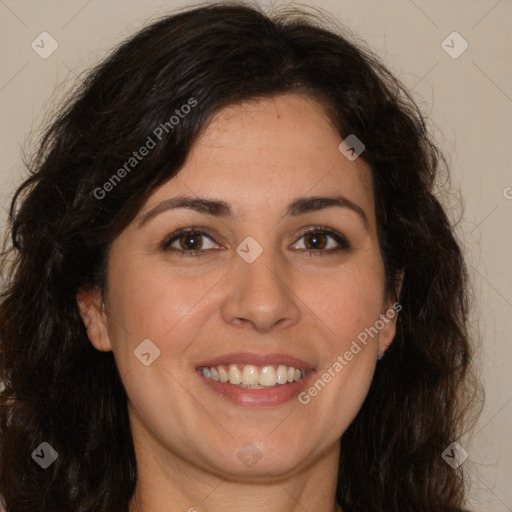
x=253 y=376
x=250 y=375
x=282 y=374
x=235 y=377
x=223 y=374
x=268 y=376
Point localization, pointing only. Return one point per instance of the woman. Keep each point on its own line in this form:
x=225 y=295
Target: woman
x=231 y=286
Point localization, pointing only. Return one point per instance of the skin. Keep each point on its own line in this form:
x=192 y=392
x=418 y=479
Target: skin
x=258 y=157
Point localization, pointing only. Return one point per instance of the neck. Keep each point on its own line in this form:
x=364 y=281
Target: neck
x=167 y=483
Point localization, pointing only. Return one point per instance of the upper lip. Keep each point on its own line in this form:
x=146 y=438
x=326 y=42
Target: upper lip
x=257 y=359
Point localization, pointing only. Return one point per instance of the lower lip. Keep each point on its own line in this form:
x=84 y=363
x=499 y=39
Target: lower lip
x=276 y=395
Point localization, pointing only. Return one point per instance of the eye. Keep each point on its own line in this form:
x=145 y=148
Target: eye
x=322 y=241
x=189 y=242
x=317 y=240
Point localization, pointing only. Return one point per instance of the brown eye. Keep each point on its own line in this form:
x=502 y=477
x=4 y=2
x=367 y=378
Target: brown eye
x=315 y=241
x=322 y=241
x=189 y=242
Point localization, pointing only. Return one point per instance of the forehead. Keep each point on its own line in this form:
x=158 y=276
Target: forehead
x=257 y=154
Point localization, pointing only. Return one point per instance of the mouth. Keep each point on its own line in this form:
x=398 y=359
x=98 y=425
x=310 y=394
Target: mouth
x=256 y=379
x=253 y=377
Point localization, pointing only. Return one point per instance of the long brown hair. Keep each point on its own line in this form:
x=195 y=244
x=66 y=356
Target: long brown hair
x=60 y=390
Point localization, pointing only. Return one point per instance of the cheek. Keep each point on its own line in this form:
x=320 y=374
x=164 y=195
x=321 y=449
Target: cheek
x=346 y=305
x=148 y=300
x=346 y=301
x=152 y=302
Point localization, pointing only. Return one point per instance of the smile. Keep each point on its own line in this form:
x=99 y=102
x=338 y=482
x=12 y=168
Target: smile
x=253 y=377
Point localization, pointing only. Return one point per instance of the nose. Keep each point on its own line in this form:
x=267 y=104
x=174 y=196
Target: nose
x=260 y=295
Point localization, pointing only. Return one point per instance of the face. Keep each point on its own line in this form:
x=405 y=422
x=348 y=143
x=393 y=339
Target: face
x=265 y=282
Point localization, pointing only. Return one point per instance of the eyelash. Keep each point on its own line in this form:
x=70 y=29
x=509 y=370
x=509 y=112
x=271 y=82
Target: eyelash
x=339 y=238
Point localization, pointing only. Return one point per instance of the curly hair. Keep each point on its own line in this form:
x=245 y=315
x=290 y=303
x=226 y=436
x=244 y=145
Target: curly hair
x=58 y=389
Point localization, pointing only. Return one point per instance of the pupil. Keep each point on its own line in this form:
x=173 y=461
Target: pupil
x=191 y=241
x=317 y=239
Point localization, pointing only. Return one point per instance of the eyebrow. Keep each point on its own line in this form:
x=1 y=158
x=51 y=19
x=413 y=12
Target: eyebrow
x=217 y=208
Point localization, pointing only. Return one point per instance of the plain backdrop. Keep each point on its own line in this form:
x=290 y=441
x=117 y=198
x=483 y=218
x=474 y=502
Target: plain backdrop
x=466 y=96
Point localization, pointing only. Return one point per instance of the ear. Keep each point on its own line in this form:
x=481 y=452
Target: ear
x=388 y=317
x=92 y=310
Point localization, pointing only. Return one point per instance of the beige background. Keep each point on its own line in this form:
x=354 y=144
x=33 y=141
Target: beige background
x=468 y=101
